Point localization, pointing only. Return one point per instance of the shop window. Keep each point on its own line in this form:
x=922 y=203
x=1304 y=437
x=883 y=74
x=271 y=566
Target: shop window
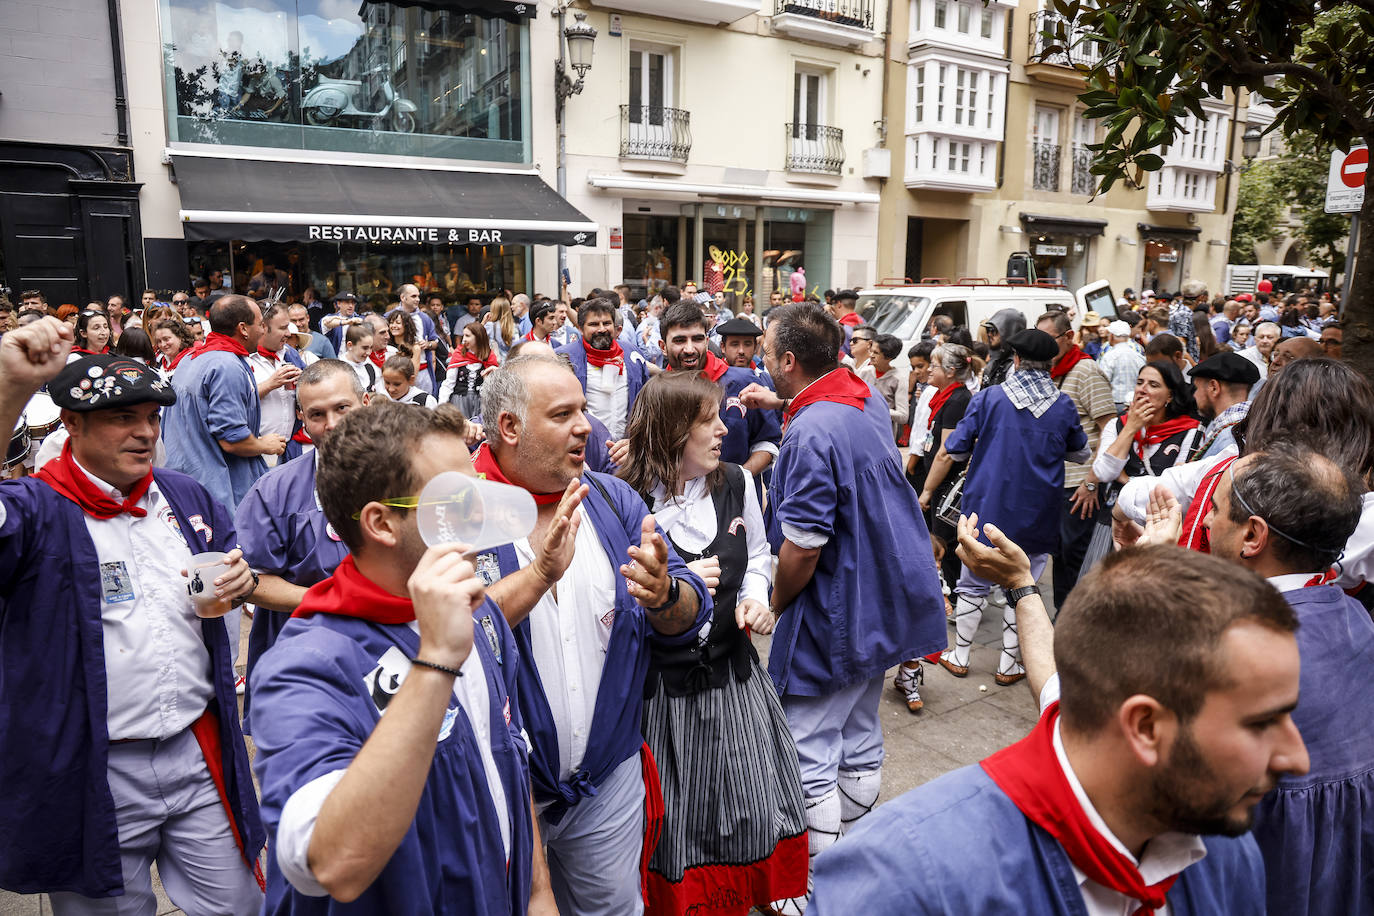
x=363 y=77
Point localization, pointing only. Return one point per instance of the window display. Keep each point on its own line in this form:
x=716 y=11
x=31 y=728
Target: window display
x=356 y=77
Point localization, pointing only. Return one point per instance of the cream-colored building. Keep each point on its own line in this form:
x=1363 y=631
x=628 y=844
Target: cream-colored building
x=990 y=157
x=749 y=128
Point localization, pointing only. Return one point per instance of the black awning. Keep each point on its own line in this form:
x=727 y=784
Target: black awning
x=1168 y=233
x=255 y=200
x=512 y=10
x=1063 y=225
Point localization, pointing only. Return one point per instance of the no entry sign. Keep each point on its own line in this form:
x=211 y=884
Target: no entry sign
x=1345 y=181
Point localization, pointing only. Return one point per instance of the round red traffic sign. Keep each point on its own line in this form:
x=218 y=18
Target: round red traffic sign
x=1353 y=167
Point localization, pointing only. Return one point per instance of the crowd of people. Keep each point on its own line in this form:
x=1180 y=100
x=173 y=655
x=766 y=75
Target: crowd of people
x=580 y=721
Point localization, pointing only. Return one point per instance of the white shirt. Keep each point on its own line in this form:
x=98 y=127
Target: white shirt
x=302 y=809
x=570 y=629
x=1181 y=479
x=1252 y=353
x=1107 y=468
x=157 y=669
x=1165 y=855
x=608 y=396
x=920 y=420
x=690 y=520
x=277 y=413
x=368 y=373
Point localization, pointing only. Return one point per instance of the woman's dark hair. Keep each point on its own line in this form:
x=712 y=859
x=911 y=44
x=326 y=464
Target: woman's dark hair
x=1181 y=402
x=1320 y=402
x=179 y=328
x=960 y=336
x=479 y=336
x=135 y=343
x=83 y=321
x=662 y=418
x=1163 y=345
x=921 y=350
x=402 y=364
x=1206 y=339
x=409 y=341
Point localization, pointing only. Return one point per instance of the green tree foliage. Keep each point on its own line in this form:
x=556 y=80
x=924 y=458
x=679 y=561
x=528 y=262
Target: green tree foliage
x=1299 y=177
x=1260 y=213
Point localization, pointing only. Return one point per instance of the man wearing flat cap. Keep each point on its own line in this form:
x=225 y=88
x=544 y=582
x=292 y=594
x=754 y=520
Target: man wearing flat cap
x=1221 y=388
x=119 y=734
x=739 y=343
x=1015 y=438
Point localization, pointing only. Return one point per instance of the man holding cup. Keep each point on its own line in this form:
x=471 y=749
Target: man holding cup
x=425 y=809
x=119 y=735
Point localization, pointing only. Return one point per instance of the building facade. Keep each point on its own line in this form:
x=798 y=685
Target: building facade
x=735 y=143
x=994 y=159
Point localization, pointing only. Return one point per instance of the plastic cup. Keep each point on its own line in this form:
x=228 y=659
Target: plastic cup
x=205 y=568
x=460 y=509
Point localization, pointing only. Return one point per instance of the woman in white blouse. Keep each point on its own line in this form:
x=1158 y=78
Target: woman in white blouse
x=733 y=810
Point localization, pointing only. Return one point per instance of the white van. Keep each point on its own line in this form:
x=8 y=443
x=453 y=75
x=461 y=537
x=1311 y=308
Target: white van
x=906 y=310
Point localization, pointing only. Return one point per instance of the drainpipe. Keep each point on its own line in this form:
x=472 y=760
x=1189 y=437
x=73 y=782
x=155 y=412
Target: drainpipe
x=1006 y=103
x=1230 y=149
x=121 y=96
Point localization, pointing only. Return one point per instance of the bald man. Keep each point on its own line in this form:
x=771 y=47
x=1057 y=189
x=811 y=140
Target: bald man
x=425 y=331
x=1294 y=348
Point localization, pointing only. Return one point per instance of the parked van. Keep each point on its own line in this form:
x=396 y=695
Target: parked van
x=1244 y=278
x=905 y=310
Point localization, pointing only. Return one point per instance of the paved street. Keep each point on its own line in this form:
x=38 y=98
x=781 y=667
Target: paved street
x=960 y=725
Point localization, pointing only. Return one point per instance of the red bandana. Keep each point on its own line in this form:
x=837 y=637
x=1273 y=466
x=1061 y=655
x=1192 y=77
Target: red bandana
x=1153 y=435
x=530 y=334
x=378 y=357
x=466 y=358
x=269 y=355
x=171 y=366
x=349 y=593
x=615 y=356
x=840 y=386
x=1029 y=773
x=852 y=319
x=104 y=352
x=215 y=341
x=714 y=369
x=938 y=400
x=483 y=463
x=1068 y=361
x=302 y=437
x=1195 y=534
x=64 y=476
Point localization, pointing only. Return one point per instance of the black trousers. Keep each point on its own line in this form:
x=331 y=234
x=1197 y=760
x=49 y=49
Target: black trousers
x=1075 y=534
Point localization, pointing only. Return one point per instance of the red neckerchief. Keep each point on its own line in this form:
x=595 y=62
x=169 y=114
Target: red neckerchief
x=1153 y=435
x=1029 y=773
x=178 y=358
x=840 y=386
x=1195 y=534
x=349 y=593
x=67 y=478
x=485 y=464
x=937 y=401
x=302 y=437
x=1067 y=362
x=104 y=352
x=378 y=357
x=217 y=342
x=529 y=335
x=1321 y=578
x=466 y=358
x=269 y=355
x=714 y=367
x=615 y=356
x=852 y=319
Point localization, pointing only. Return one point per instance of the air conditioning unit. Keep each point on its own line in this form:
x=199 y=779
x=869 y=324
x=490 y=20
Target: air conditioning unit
x=877 y=163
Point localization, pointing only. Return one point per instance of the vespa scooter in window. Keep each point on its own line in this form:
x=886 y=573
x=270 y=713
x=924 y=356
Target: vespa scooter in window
x=370 y=103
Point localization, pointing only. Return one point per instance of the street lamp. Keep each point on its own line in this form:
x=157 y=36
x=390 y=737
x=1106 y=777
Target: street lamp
x=1249 y=148
x=574 y=49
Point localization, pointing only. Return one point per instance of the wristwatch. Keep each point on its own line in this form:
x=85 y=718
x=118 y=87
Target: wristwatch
x=1090 y=486
x=1014 y=595
x=673 y=593
x=243 y=599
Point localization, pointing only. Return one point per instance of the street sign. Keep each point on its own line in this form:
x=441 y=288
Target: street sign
x=1345 y=181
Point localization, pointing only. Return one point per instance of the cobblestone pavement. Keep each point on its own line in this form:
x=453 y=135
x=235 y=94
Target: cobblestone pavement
x=960 y=725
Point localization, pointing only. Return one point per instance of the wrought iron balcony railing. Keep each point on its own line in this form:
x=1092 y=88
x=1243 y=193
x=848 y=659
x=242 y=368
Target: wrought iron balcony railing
x=655 y=132
x=1067 y=44
x=1083 y=180
x=856 y=13
x=815 y=148
x=1045 y=166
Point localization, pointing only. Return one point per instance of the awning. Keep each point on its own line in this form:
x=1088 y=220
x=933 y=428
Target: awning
x=1063 y=225
x=511 y=10
x=256 y=200
x=1167 y=233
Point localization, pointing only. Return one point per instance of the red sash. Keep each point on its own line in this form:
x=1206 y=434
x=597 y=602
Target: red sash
x=64 y=476
x=1029 y=773
x=1067 y=362
x=485 y=464
x=206 y=731
x=840 y=386
x=349 y=593
x=1195 y=535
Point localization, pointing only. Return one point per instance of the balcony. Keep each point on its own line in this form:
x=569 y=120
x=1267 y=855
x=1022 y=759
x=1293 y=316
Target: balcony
x=1083 y=181
x=708 y=12
x=843 y=23
x=814 y=149
x=1045 y=159
x=655 y=139
x=1057 y=59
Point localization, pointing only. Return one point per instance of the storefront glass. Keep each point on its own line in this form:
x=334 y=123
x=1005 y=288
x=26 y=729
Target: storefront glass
x=795 y=239
x=1161 y=271
x=371 y=272
x=1061 y=257
x=346 y=76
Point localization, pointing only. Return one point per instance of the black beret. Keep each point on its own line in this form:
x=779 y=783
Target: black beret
x=846 y=294
x=1227 y=367
x=1034 y=344
x=738 y=327
x=102 y=382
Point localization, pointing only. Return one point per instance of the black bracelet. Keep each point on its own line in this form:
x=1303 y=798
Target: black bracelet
x=437 y=667
x=674 y=593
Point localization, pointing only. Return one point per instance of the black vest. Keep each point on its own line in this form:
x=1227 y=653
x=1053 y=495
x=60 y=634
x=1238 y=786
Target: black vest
x=707 y=662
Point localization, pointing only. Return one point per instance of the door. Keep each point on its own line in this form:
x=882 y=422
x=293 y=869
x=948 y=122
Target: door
x=652 y=117
x=807 y=139
x=1084 y=132
x=1045 y=150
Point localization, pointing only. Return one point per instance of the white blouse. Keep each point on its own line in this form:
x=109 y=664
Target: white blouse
x=690 y=520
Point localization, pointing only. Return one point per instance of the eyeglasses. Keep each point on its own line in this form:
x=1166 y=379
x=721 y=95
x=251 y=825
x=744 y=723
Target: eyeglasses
x=413 y=502
x=180 y=301
x=190 y=321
